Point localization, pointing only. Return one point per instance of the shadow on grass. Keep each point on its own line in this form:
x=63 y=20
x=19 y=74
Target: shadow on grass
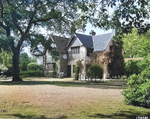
x=36 y=116
x=123 y=115
x=101 y=85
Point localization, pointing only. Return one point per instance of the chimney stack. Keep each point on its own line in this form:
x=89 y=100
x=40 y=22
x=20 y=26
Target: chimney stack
x=92 y=32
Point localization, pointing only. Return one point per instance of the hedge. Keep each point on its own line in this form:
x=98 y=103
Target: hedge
x=31 y=73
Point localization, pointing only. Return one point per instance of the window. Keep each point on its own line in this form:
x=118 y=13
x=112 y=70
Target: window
x=89 y=51
x=111 y=47
x=75 y=50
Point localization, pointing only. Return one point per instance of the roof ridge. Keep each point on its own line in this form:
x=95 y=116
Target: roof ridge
x=82 y=34
x=102 y=34
x=95 y=35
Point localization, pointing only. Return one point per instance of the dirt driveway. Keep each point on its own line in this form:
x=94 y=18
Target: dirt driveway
x=57 y=97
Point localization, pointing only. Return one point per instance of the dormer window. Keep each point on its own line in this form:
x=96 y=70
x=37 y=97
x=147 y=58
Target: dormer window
x=75 y=50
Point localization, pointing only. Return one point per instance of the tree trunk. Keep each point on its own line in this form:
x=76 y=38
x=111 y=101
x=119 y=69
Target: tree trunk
x=16 y=70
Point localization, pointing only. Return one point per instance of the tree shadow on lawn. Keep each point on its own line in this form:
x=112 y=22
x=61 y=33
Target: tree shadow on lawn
x=131 y=114
x=35 y=116
x=100 y=85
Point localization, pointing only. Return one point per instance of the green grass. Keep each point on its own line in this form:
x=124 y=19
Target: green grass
x=98 y=84
x=94 y=110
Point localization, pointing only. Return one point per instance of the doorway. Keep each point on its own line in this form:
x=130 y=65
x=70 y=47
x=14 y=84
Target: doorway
x=69 y=71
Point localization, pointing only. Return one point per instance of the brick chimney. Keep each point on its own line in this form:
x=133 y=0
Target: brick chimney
x=92 y=32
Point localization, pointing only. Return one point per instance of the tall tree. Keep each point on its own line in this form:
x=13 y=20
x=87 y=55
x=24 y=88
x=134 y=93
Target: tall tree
x=22 y=18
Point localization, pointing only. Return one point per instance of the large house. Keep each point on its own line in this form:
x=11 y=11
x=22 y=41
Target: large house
x=87 y=49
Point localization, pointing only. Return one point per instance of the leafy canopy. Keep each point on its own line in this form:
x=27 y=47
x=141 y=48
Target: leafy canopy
x=25 y=18
x=118 y=14
x=6 y=58
x=136 y=45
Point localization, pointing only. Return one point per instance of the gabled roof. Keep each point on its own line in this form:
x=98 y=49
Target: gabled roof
x=85 y=39
x=100 y=42
x=61 y=43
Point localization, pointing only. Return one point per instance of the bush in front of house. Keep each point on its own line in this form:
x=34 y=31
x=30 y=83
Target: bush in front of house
x=138 y=93
x=95 y=71
x=34 y=66
x=31 y=73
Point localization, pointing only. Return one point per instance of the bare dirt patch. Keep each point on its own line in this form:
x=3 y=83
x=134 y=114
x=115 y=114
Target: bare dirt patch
x=57 y=99
x=56 y=95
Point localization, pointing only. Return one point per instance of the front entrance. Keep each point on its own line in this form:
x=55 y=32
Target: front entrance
x=69 y=71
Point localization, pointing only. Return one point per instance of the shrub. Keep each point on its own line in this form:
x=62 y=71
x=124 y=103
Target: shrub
x=144 y=64
x=95 y=71
x=31 y=73
x=24 y=60
x=34 y=66
x=123 y=78
x=131 y=67
x=138 y=93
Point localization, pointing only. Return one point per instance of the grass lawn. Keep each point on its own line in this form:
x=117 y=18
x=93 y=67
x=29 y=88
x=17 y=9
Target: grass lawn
x=15 y=107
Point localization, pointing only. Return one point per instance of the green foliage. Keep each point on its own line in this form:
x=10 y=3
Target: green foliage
x=6 y=58
x=138 y=93
x=145 y=63
x=27 y=63
x=24 y=60
x=136 y=67
x=127 y=15
x=117 y=65
x=34 y=66
x=75 y=71
x=55 y=54
x=131 y=67
x=95 y=71
x=4 y=41
x=124 y=77
x=31 y=73
x=136 y=45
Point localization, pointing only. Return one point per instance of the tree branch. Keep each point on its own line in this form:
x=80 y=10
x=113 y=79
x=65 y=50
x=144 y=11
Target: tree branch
x=1 y=8
x=31 y=18
x=30 y=22
x=18 y=27
x=2 y=25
